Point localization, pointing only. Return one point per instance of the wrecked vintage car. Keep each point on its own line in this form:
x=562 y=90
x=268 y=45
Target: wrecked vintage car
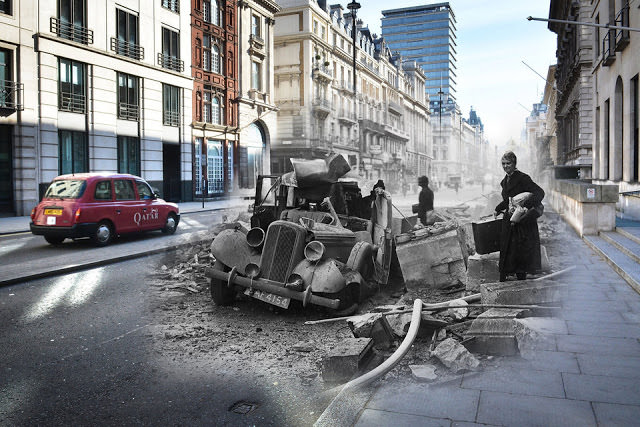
x=301 y=248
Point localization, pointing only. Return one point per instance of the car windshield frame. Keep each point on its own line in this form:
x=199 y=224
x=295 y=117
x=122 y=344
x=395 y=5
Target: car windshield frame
x=66 y=189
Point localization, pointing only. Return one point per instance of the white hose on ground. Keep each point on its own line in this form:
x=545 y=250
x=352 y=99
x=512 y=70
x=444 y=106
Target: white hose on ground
x=392 y=361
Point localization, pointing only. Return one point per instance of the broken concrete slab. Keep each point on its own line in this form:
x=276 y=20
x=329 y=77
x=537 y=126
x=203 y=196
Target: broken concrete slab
x=538 y=333
x=372 y=325
x=523 y=292
x=346 y=359
x=424 y=373
x=455 y=356
x=457 y=313
x=400 y=324
x=417 y=256
x=482 y=269
x=493 y=332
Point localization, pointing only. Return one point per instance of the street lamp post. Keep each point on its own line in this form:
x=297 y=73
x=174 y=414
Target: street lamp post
x=353 y=7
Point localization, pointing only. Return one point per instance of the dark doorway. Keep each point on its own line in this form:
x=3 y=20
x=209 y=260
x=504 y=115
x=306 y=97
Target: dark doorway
x=171 y=190
x=6 y=170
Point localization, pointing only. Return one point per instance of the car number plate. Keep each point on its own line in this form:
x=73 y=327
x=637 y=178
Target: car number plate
x=56 y=212
x=267 y=297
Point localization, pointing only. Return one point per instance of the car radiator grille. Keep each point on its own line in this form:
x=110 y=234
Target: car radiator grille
x=281 y=250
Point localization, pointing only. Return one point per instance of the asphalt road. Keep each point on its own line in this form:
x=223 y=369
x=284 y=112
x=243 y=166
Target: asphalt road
x=80 y=349
x=21 y=247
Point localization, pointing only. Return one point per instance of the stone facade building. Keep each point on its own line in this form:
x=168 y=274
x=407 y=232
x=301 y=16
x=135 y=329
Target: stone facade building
x=257 y=111
x=616 y=70
x=381 y=127
x=93 y=86
x=575 y=87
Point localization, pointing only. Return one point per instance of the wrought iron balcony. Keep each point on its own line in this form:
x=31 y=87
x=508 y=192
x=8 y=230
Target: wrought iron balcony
x=622 y=20
x=125 y=48
x=128 y=111
x=72 y=102
x=323 y=72
x=11 y=95
x=171 y=118
x=69 y=31
x=608 y=48
x=170 y=62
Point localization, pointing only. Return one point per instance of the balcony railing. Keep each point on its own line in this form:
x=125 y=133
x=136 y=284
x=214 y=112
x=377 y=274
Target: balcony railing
x=172 y=5
x=256 y=41
x=72 y=102
x=622 y=20
x=608 y=48
x=128 y=111
x=170 y=62
x=11 y=95
x=394 y=106
x=171 y=118
x=125 y=48
x=69 y=31
x=321 y=102
x=347 y=116
x=256 y=46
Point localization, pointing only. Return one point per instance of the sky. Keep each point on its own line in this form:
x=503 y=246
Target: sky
x=493 y=39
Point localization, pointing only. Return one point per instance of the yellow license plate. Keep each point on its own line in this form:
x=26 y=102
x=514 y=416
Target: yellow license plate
x=57 y=212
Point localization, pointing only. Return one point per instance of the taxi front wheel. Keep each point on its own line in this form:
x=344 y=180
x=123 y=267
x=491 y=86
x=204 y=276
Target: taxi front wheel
x=103 y=234
x=171 y=224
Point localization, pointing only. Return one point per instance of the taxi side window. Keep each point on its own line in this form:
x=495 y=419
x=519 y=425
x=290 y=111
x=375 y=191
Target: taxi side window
x=144 y=192
x=103 y=190
x=124 y=189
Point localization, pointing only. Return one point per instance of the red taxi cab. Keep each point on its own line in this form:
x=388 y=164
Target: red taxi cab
x=100 y=206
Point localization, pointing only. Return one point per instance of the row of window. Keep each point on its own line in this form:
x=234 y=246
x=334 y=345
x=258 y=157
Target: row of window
x=72 y=89
x=73 y=153
x=71 y=24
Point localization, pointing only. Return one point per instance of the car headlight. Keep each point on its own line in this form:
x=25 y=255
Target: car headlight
x=314 y=251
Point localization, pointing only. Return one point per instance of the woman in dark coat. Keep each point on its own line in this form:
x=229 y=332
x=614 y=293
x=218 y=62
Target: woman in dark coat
x=519 y=242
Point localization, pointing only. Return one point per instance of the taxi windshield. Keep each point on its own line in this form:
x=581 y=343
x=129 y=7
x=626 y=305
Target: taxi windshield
x=66 y=189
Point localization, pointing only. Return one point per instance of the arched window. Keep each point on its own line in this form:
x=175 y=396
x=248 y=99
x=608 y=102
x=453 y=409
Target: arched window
x=215 y=167
x=251 y=151
x=215 y=59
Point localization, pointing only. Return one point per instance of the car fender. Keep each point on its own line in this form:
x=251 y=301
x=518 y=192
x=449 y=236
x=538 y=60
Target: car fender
x=324 y=276
x=230 y=247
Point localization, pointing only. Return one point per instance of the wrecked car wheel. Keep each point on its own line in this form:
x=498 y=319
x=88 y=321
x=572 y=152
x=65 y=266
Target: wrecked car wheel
x=221 y=294
x=361 y=259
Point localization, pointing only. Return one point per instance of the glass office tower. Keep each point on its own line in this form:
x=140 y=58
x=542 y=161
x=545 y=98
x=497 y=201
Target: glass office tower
x=426 y=34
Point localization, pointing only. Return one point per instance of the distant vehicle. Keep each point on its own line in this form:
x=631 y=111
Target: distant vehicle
x=100 y=206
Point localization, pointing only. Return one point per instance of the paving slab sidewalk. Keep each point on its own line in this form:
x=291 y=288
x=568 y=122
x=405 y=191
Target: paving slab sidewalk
x=590 y=378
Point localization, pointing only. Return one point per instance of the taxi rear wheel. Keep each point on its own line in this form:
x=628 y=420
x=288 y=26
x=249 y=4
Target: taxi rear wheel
x=103 y=234
x=171 y=224
x=221 y=294
x=54 y=240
